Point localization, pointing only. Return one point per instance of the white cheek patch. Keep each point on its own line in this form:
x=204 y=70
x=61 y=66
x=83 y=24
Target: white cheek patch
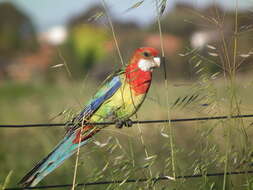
x=148 y=65
x=145 y=65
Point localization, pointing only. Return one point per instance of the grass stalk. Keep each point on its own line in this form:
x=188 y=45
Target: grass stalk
x=113 y=31
x=168 y=125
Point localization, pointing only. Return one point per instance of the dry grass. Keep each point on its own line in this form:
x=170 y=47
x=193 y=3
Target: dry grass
x=199 y=146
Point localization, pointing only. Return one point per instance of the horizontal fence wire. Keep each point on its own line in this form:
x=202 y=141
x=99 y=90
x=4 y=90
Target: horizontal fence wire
x=135 y=180
x=133 y=122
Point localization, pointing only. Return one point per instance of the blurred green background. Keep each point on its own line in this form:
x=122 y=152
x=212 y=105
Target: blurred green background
x=48 y=73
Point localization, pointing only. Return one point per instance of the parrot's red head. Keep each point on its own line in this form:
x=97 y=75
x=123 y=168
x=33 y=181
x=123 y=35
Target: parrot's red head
x=139 y=70
x=146 y=58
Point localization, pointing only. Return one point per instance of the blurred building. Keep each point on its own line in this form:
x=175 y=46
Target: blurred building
x=31 y=65
x=171 y=43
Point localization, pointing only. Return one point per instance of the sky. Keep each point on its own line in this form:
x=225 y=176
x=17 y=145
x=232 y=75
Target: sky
x=48 y=13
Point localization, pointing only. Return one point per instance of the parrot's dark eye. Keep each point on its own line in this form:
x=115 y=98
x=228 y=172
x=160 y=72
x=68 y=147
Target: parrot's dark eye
x=146 y=54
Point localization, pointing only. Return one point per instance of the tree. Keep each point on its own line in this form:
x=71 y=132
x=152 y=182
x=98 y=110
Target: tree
x=17 y=32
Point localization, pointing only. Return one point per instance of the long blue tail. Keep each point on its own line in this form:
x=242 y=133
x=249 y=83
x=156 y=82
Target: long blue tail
x=62 y=151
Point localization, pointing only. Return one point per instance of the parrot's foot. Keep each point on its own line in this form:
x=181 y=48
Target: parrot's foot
x=128 y=123
x=121 y=123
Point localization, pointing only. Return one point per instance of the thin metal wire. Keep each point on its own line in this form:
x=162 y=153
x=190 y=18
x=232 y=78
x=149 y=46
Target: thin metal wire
x=133 y=122
x=135 y=180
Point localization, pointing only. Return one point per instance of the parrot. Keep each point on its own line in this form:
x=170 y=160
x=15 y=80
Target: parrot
x=119 y=97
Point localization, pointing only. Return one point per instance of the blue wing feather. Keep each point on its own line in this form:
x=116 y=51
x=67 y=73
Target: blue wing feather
x=103 y=94
x=66 y=147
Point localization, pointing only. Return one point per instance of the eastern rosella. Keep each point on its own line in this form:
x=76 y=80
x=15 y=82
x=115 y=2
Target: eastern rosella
x=118 y=99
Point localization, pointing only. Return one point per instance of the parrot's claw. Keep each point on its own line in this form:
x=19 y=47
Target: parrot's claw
x=128 y=123
x=121 y=123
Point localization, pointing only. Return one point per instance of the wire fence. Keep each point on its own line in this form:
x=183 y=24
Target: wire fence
x=133 y=122
x=134 y=180
x=156 y=179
